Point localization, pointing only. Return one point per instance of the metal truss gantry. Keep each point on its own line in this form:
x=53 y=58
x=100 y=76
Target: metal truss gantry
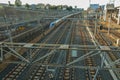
x=14 y=49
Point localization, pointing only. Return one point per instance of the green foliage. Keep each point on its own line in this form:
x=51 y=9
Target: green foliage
x=27 y=5
x=75 y=6
x=53 y=7
x=61 y=7
x=10 y=3
x=18 y=3
x=70 y=8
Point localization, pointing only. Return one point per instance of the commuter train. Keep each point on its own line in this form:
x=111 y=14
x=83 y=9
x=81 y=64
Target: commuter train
x=54 y=23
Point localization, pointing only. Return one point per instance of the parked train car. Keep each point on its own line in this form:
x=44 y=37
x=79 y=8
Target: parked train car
x=20 y=28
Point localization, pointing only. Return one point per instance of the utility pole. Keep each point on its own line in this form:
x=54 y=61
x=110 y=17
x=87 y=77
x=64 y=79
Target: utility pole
x=105 y=14
x=109 y=25
x=9 y=33
x=95 y=31
x=118 y=22
x=8 y=29
x=89 y=2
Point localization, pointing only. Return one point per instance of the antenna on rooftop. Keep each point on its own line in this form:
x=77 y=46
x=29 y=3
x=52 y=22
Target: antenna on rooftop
x=89 y=2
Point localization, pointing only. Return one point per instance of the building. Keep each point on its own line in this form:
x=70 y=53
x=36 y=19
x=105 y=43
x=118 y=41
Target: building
x=103 y=7
x=94 y=6
x=116 y=15
x=108 y=11
x=110 y=7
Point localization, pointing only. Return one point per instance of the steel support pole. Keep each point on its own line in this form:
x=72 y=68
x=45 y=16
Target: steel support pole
x=105 y=14
x=15 y=53
x=30 y=55
x=118 y=22
x=113 y=63
x=1 y=56
x=82 y=57
x=109 y=25
x=101 y=66
x=95 y=25
x=40 y=58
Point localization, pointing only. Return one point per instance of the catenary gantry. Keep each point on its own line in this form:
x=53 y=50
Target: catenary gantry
x=90 y=51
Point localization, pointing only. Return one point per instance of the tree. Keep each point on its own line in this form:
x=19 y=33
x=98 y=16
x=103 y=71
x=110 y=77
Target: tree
x=69 y=8
x=10 y=3
x=27 y=5
x=59 y=7
x=18 y=3
x=53 y=7
x=75 y=7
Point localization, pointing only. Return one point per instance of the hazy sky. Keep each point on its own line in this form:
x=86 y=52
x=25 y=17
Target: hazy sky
x=79 y=3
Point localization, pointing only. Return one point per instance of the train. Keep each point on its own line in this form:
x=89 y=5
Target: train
x=54 y=23
x=20 y=28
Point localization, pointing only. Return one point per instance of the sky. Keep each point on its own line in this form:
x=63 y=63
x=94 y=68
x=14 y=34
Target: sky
x=78 y=3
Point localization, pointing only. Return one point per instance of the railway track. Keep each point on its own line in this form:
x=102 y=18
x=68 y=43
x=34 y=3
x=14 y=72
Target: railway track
x=88 y=61
x=13 y=74
x=115 y=33
x=69 y=72
x=113 y=56
x=45 y=61
x=22 y=51
x=44 y=75
x=102 y=41
x=8 y=76
x=63 y=34
x=105 y=41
